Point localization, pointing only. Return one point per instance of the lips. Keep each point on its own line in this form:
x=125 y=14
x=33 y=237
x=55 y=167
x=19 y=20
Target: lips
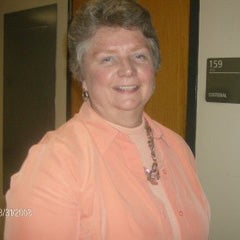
x=126 y=88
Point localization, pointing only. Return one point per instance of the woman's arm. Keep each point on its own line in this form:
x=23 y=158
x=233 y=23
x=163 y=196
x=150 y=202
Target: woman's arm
x=42 y=200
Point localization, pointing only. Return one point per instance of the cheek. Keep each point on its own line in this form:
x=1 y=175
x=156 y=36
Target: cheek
x=148 y=77
x=150 y=82
x=95 y=79
x=153 y=84
x=151 y=87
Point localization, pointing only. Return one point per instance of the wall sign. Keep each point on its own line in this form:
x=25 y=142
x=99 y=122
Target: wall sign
x=223 y=80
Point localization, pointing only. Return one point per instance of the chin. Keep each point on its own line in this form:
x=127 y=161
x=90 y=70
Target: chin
x=131 y=107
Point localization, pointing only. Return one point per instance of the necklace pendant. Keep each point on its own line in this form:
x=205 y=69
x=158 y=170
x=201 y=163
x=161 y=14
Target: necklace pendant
x=153 y=175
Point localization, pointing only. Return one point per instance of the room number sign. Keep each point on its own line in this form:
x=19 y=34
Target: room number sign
x=223 y=80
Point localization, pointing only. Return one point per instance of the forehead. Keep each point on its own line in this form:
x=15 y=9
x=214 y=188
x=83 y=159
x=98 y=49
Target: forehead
x=117 y=37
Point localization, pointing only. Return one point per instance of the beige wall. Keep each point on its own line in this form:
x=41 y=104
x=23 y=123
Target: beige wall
x=60 y=100
x=218 y=124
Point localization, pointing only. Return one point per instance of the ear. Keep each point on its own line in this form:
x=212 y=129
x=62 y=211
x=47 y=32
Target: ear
x=84 y=85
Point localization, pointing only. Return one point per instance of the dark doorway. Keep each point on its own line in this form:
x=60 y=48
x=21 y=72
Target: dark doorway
x=29 y=82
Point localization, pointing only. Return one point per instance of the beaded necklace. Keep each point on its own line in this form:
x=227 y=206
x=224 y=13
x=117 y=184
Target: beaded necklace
x=152 y=174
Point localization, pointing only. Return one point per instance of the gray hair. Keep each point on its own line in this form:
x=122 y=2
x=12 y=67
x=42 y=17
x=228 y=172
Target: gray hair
x=127 y=14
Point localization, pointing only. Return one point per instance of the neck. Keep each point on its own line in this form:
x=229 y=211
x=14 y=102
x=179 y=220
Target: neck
x=129 y=119
x=125 y=119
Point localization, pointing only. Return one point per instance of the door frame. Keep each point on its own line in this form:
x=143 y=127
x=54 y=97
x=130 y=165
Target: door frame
x=192 y=74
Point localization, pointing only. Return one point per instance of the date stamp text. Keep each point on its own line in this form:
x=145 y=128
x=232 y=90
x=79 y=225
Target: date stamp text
x=15 y=212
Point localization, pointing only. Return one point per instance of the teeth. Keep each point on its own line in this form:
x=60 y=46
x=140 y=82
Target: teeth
x=127 y=88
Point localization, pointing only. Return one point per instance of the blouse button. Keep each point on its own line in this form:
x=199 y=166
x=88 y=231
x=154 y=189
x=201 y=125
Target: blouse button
x=180 y=213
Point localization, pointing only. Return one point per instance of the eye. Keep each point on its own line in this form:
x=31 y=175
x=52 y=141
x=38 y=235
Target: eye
x=107 y=59
x=140 y=56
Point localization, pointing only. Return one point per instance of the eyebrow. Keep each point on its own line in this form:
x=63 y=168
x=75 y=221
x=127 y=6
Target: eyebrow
x=114 y=50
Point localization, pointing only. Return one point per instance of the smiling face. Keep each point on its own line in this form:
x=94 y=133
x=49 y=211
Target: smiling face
x=118 y=73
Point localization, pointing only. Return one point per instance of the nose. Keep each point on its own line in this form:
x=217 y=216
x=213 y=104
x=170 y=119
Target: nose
x=126 y=68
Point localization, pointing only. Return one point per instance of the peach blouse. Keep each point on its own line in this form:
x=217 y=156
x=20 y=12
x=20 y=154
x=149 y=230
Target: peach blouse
x=85 y=181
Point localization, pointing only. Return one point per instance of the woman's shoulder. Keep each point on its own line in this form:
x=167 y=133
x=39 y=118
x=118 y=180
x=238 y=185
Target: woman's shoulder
x=168 y=134
x=70 y=133
x=61 y=152
x=175 y=141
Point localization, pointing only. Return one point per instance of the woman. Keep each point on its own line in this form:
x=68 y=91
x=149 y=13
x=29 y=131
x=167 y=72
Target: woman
x=111 y=172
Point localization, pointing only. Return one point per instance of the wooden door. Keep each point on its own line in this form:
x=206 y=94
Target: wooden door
x=169 y=102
